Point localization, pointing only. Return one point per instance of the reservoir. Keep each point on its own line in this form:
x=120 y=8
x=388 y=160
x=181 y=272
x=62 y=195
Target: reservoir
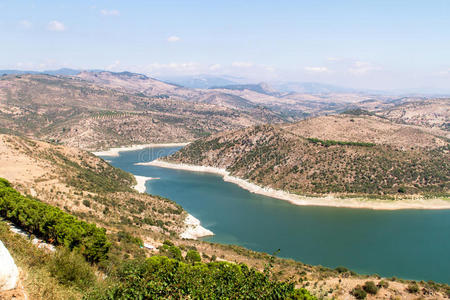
x=410 y=244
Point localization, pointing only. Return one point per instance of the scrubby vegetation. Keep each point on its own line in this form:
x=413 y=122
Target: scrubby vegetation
x=52 y=224
x=370 y=287
x=165 y=278
x=359 y=293
x=272 y=156
x=158 y=277
x=328 y=143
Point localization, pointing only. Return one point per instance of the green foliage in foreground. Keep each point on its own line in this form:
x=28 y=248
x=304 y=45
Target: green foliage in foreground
x=71 y=269
x=161 y=277
x=52 y=224
x=328 y=143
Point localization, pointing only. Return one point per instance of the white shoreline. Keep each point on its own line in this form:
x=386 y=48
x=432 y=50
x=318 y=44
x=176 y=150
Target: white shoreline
x=193 y=229
x=141 y=180
x=416 y=203
x=114 y=152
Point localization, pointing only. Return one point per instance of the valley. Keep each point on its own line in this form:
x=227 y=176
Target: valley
x=312 y=150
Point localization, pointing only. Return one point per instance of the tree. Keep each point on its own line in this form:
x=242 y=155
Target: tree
x=192 y=257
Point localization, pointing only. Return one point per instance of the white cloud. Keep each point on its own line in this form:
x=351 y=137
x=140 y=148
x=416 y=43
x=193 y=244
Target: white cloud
x=25 y=24
x=56 y=26
x=173 y=39
x=215 y=67
x=444 y=73
x=113 y=66
x=334 y=59
x=242 y=64
x=317 y=69
x=362 y=67
x=112 y=12
x=186 y=67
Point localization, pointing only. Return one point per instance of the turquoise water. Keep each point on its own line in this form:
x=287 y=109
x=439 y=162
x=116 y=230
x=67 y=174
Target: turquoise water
x=411 y=244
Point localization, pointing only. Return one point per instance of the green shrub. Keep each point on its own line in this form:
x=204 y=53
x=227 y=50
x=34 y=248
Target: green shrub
x=174 y=252
x=383 y=284
x=192 y=257
x=52 y=224
x=341 y=269
x=359 y=293
x=70 y=268
x=370 y=287
x=412 y=288
x=124 y=236
x=160 y=277
x=168 y=243
x=170 y=250
x=328 y=143
x=87 y=203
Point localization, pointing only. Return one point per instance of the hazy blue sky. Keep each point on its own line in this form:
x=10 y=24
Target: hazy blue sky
x=373 y=44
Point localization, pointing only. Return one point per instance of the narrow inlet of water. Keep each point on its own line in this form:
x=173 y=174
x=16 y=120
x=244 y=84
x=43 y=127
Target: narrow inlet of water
x=411 y=244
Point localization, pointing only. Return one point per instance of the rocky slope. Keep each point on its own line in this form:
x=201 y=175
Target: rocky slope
x=342 y=154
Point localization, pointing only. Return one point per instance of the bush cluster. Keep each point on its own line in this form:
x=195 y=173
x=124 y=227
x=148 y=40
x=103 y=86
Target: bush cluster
x=164 y=278
x=359 y=293
x=341 y=143
x=370 y=287
x=52 y=224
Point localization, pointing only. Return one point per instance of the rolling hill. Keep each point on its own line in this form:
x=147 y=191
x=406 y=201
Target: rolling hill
x=93 y=115
x=340 y=154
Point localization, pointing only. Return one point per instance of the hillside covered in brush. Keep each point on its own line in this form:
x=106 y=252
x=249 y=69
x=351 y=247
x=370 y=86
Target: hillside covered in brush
x=86 y=186
x=341 y=154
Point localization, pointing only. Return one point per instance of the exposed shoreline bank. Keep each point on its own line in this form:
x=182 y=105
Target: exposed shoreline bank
x=417 y=203
x=114 y=152
x=140 y=182
x=193 y=229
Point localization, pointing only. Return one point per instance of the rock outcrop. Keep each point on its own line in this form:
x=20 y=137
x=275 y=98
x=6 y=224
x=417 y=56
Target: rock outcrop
x=9 y=274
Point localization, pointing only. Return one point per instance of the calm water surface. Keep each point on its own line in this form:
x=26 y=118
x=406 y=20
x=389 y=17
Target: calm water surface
x=412 y=244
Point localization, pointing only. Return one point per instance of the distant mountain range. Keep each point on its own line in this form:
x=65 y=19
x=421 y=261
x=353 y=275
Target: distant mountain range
x=262 y=88
x=202 y=81
x=313 y=88
x=62 y=72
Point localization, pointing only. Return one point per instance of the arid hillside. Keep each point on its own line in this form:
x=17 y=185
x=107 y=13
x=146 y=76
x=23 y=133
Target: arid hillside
x=342 y=154
x=292 y=105
x=79 y=113
x=368 y=128
x=84 y=185
x=434 y=113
